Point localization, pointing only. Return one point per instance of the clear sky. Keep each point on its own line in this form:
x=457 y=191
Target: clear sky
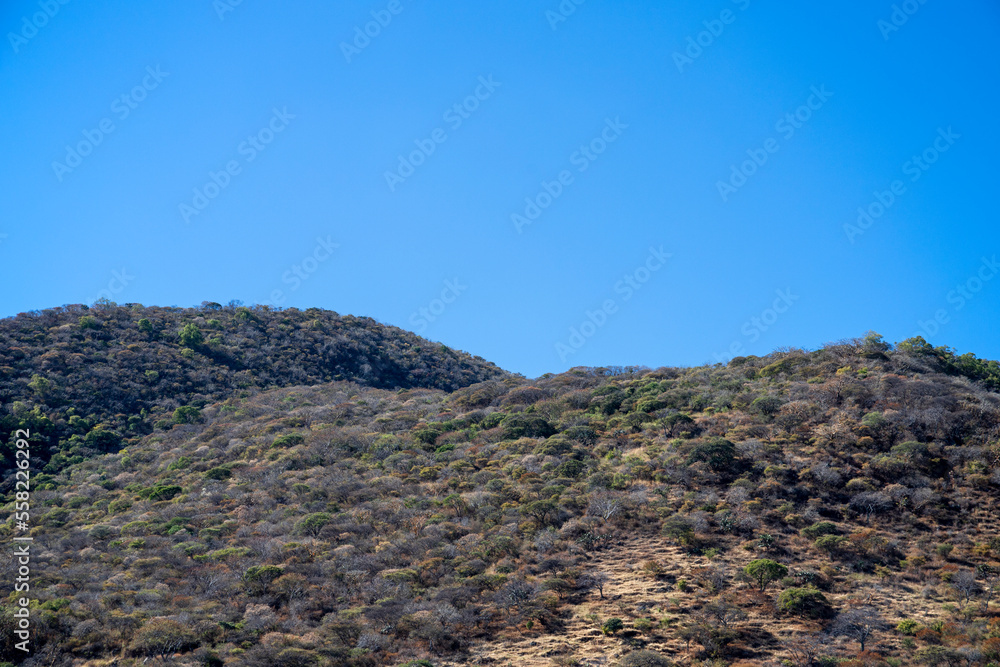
x=627 y=182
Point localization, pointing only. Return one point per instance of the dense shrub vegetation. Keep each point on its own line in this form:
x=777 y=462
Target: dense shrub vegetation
x=662 y=516
x=86 y=379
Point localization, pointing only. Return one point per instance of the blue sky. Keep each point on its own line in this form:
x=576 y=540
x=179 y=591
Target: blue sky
x=578 y=207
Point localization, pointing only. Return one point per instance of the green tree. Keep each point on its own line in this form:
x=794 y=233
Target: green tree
x=145 y=326
x=191 y=336
x=540 y=510
x=767 y=405
x=763 y=571
x=40 y=385
x=103 y=440
x=873 y=345
x=259 y=577
x=718 y=453
x=187 y=414
x=313 y=524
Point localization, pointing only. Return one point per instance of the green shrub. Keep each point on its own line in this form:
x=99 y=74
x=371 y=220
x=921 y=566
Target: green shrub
x=103 y=440
x=57 y=518
x=192 y=548
x=135 y=528
x=611 y=626
x=180 y=464
x=818 y=529
x=160 y=492
x=805 y=602
x=288 y=440
x=585 y=435
x=718 y=453
x=209 y=533
x=554 y=446
x=526 y=426
x=187 y=414
x=830 y=543
x=119 y=506
x=908 y=626
x=55 y=604
x=427 y=436
x=219 y=473
x=649 y=405
x=643 y=624
x=679 y=529
x=767 y=405
x=916 y=452
x=888 y=468
x=492 y=420
x=571 y=468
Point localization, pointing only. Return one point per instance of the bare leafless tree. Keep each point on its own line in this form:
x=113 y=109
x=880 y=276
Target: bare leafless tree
x=991 y=584
x=717 y=577
x=860 y=624
x=517 y=596
x=804 y=649
x=605 y=505
x=871 y=503
x=965 y=584
x=596 y=580
x=723 y=612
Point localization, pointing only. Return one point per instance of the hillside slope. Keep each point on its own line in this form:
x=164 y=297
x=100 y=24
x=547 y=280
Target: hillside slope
x=796 y=507
x=85 y=378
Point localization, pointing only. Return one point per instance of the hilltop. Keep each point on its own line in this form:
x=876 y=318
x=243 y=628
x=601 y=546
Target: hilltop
x=85 y=379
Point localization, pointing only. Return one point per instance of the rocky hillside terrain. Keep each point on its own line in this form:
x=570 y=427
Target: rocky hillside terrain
x=826 y=507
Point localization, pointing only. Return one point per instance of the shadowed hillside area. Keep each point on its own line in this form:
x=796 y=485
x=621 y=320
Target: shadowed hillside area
x=85 y=380
x=298 y=488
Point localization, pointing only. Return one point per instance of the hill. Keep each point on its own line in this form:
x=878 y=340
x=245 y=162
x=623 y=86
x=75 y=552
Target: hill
x=87 y=379
x=835 y=506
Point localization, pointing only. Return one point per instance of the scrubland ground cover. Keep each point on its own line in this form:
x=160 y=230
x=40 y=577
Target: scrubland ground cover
x=805 y=508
